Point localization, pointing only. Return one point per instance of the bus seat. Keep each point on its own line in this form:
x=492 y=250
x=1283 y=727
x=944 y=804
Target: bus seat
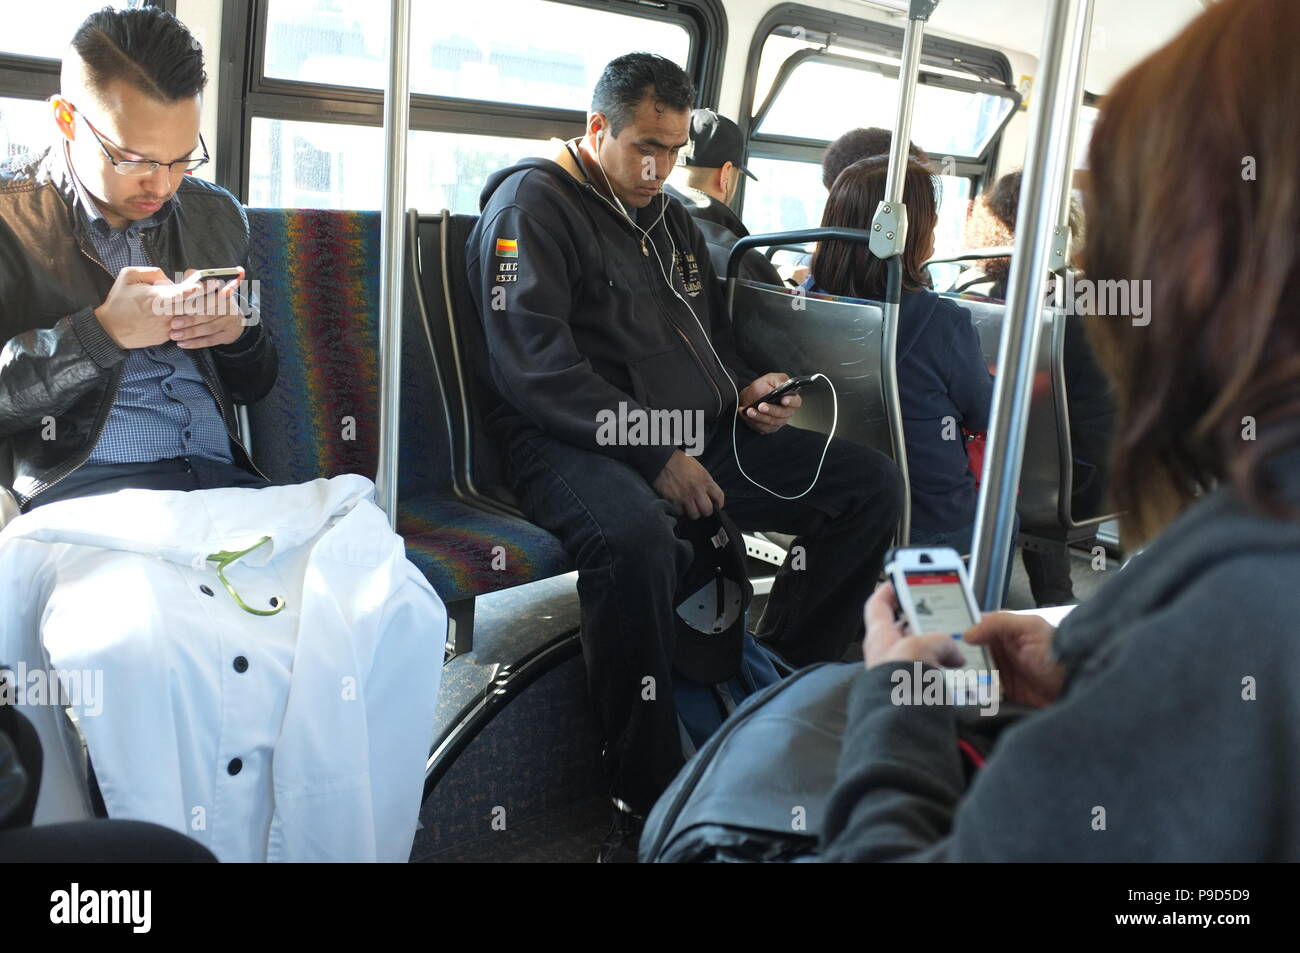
x=457 y=335
x=1047 y=502
x=319 y=279
x=804 y=333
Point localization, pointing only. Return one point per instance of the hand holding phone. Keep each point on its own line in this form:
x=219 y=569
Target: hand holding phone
x=792 y=386
x=208 y=314
x=935 y=599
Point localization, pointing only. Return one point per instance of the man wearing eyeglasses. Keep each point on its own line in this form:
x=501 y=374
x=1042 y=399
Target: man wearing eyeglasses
x=116 y=372
x=264 y=734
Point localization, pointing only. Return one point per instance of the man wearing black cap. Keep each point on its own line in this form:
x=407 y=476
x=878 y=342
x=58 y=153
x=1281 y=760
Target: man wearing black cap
x=708 y=182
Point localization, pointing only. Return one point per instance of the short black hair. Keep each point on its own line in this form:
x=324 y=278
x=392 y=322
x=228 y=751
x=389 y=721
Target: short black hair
x=860 y=144
x=625 y=82
x=145 y=46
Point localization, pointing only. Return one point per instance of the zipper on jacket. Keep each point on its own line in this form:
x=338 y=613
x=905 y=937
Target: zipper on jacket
x=216 y=396
x=222 y=408
x=699 y=362
x=114 y=385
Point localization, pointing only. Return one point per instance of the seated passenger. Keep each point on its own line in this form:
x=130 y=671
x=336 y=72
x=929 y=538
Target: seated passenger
x=944 y=383
x=862 y=143
x=1166 y=716
x=707 y=183
x=268 y=658
x=1091 y=406
x=600 y=303
x=852 y=146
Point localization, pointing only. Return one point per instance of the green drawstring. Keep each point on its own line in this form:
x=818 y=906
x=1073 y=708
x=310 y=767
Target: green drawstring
x=224 y=559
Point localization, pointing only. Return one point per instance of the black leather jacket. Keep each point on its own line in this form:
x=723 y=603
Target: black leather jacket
x=59 y=369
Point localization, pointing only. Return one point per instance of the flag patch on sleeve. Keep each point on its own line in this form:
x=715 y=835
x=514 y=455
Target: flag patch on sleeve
x=507 y=248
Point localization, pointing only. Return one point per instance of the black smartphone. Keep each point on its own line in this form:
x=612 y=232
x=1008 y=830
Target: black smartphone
x=792 y=386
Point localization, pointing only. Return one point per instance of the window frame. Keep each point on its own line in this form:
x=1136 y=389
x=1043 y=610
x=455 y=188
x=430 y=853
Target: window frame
x=797 y=59
x=243 y=34
x=869 y=36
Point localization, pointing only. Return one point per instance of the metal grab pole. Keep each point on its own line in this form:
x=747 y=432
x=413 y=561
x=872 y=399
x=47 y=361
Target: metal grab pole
x=397 y=99
x=1063 y=236
x=889 y=238
x=1022 y=328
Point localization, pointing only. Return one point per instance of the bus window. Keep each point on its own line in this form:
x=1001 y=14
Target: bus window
x=810 y=88
x=947 y=122
x=25 y=126
x=530 y=65
x=789 y=194
x=330 y=165
x=45 y=32
x=524 y=52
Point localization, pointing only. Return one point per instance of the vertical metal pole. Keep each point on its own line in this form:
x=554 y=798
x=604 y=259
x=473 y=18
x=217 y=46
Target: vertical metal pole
x=889 y=238
x=1062 y=236
x=397 y=99
x=1022 y=328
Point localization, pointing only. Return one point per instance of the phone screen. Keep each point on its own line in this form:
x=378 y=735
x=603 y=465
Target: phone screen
x=939 y=602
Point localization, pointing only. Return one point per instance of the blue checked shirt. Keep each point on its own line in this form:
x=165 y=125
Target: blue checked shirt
x=163 y=408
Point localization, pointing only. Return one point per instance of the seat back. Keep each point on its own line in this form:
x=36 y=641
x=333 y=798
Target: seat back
x=1040 y=471
x=807 y=334
x=481 y=475
x=1047 y=502
x=319 y=282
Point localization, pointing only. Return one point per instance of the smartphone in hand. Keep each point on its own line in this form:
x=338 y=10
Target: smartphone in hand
x=792 y=386
x=935 y=595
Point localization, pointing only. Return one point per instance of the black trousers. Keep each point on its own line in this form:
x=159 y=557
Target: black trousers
x=181 y=473
x=619 y=534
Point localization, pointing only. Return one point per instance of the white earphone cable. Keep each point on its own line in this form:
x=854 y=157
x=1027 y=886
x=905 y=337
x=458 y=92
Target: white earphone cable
x=672 y=255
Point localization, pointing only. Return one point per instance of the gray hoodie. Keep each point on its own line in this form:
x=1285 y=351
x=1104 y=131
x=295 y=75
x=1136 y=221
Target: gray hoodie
x=1176 y=737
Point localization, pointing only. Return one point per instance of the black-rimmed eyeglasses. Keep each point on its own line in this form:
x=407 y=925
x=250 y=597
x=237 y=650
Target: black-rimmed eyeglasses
x=145 y=166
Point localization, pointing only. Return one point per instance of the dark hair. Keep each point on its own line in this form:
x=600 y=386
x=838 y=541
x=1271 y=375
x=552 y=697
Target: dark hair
x=860 y=144
x=849 y=268
x=626 y=81
x=147 y=47
x=1176 y=198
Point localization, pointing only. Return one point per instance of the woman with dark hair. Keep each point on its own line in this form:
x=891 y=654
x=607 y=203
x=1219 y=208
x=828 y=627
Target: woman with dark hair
x=943 y=381
x=1167 y=717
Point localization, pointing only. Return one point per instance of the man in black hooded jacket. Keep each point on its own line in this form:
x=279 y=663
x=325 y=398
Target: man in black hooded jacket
x=611 y=352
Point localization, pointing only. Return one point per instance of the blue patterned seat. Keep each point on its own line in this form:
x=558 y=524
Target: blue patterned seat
x=319 y=282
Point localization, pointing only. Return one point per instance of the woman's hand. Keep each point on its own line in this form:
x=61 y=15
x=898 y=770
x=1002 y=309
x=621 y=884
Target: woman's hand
x=888 y=640
x=1020 y=646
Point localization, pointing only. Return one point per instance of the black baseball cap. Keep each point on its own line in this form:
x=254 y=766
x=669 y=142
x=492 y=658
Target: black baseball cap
x=714 y=140
x=711 y=600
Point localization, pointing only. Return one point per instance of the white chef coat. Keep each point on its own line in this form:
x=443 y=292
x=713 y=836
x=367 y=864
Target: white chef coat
x=298 y=736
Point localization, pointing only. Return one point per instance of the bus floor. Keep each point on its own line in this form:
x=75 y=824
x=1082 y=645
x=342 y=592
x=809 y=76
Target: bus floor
x=528 y=787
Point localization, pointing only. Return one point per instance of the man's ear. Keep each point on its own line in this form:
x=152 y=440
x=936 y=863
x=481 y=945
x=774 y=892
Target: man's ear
x=64 y=117
x=725 y=175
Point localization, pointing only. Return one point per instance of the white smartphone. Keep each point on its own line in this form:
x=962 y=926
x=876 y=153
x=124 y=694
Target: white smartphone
x=214 y=274
x=935 y=595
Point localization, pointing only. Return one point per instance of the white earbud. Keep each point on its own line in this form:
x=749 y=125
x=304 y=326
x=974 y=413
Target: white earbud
x=672 y=256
